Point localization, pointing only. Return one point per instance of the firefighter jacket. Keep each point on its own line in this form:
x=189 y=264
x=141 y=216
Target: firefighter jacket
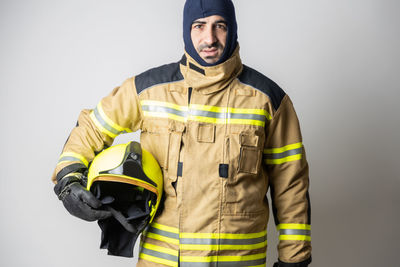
x=222 y=135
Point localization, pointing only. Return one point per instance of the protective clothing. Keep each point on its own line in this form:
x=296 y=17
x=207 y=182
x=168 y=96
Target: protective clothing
x=77 y=200
x=128 y=181
x=222 y=135
x=195 y=9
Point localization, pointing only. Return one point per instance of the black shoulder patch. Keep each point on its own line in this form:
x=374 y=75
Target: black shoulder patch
x=262 y=83
x=163 y=74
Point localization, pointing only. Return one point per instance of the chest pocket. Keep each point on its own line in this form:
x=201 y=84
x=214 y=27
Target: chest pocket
x=159 y=149
x=250 y=153
x=245 y=188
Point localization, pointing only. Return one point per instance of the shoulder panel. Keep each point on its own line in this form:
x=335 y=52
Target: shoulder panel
x=263 y=84
x=164 y=74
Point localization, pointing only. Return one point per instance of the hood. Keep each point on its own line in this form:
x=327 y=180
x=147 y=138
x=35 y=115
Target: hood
x=195 y=9
x=211 y=79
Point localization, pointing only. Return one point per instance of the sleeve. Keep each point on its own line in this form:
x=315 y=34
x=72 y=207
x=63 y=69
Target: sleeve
x=117 y=113
x=287 y=168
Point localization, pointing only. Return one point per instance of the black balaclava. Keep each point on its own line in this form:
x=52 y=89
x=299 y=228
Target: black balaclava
x=195 y=9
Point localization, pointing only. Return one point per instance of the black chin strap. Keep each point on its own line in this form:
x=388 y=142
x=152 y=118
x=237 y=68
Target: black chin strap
x=121 y=219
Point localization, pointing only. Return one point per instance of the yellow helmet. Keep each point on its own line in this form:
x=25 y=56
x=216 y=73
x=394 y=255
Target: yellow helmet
x=127 y=176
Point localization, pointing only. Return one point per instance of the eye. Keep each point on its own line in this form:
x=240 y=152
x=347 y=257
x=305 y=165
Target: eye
x=221 y=26
x=197 y=26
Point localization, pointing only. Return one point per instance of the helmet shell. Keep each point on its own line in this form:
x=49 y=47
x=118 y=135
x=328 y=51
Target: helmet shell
x=131 y=164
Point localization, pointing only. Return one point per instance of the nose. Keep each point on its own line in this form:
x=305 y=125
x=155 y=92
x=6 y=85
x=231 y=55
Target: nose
x=209 y=36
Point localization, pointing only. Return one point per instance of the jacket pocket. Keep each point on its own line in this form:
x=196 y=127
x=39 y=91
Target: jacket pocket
x=156 y=139
x=176 y=130
x=250 y=153
x=245 y=188
x=163 y=141
x=206 y=133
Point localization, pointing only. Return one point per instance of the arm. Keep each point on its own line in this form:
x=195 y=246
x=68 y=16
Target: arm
x=287 y=169
x=117 y=113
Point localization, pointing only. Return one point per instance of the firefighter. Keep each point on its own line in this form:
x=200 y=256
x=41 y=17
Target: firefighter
x=223 y=134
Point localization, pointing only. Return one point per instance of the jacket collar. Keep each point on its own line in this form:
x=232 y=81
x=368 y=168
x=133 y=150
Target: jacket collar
x=208 y=80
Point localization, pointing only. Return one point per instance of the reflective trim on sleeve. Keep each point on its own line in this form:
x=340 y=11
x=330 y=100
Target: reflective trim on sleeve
x=73 y=157
x=158 y=254
x=293 y=231
x=202 y=113
x=283 y=154
x=105 y=124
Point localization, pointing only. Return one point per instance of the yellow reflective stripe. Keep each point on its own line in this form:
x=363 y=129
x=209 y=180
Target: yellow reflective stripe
x=250 y=111
x=244 y=121
x=293 y=226
x=222 y=247
x=100 y=127
x=222 y=235
x=165 y=228
x=295 y=237
x=109 y=121
x=283 y=160
x=160 y=249
x=105 y=124
x=209 y=108
x=181 y=113
x=222 y=258
x=162 y=238
x=157 y=260
x=72 y=156
x=164 y=115
x=283 y=149
x=223 y=121
x=207 y=119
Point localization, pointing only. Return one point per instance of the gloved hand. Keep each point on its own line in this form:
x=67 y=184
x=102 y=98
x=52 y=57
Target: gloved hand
x=79 y=201
x=299 y=264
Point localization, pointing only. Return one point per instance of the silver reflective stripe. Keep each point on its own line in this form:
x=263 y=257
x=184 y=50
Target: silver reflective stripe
x=204 y=113
x=164 y=110
x=224 y=263
x=223 y=115
x=163 y=233
x=284 y=154
x=255 y=117
x=159 y=254
x=69 y=158
x=204 y=241
x=104 y=123
x=294 y=232
x=209 y=114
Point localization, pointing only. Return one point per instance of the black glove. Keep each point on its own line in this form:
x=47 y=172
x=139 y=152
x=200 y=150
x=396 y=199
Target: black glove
x=298 y=264
x=79 y=201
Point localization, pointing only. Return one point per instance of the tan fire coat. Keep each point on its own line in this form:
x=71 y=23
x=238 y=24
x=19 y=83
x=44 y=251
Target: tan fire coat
x=223 y=135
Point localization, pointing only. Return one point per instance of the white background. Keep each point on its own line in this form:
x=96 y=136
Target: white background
x=338 y=60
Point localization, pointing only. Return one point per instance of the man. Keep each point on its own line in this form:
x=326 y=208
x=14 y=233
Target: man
x=223 y=134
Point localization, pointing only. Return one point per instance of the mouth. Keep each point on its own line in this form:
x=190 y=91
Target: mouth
x=210 y=52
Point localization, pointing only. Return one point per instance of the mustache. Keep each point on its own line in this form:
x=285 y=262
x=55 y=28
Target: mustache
x=208 y=46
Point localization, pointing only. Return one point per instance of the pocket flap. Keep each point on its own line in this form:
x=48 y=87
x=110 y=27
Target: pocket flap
x=249 y=139
x=176 y=126
x=206 y=133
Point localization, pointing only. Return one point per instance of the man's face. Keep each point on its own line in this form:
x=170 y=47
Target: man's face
x=209 y=37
